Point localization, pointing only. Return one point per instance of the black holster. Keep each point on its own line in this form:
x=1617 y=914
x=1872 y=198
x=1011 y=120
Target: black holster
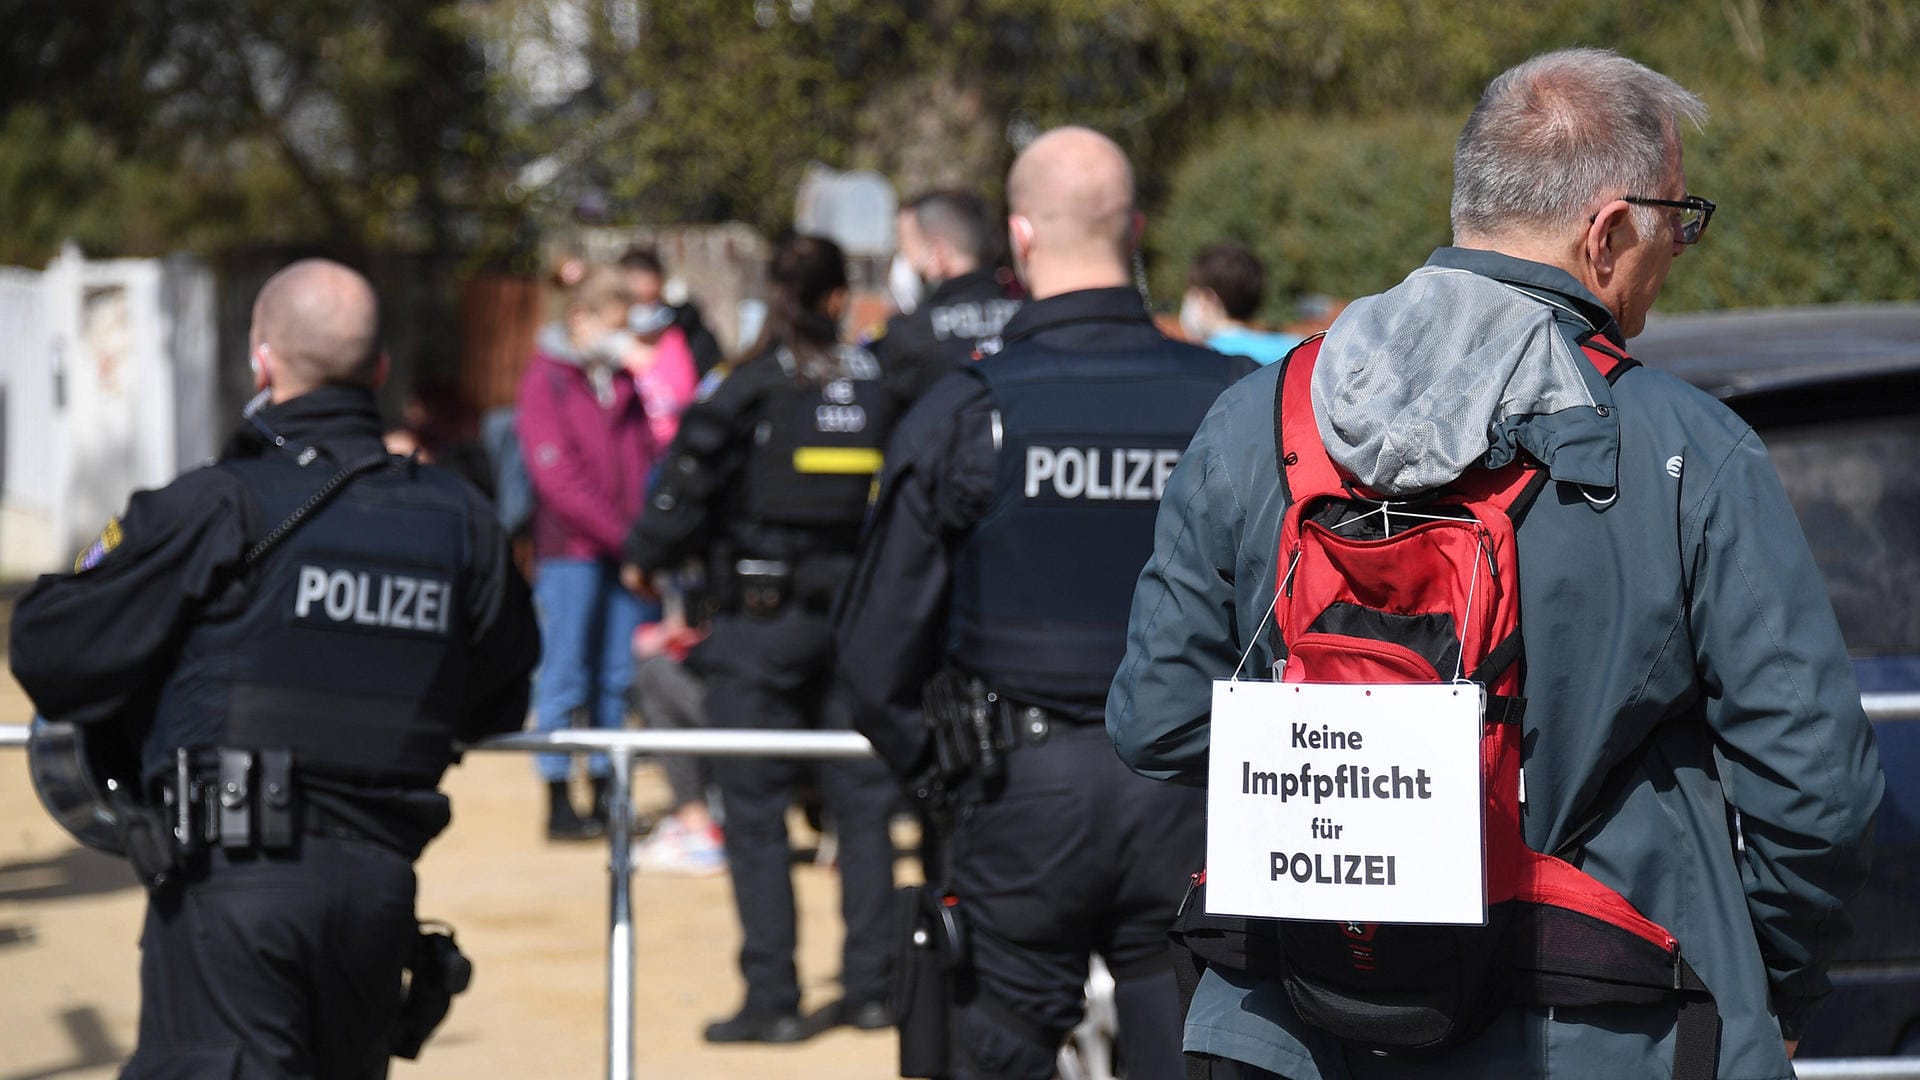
x=933 y=954
x=970 y=726
x=148 y=841
x=436 y=971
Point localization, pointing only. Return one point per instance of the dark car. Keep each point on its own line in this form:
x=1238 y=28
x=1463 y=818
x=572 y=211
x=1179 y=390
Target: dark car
x=1834 y=391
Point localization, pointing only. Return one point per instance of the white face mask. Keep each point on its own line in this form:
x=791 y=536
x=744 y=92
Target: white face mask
x=612 y=346
x=904 y=285
x=649 y=319
x=1193 y=321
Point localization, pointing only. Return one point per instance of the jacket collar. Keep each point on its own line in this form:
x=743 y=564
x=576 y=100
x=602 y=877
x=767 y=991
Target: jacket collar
x=342 y=422
x=1549 y=284
x=960 y=285
x=1119 y=303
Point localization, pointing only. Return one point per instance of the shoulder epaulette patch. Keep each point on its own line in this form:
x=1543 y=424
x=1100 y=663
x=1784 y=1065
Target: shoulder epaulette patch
x=110 y=538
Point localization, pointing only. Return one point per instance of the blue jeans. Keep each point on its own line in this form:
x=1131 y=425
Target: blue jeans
x=586 y=629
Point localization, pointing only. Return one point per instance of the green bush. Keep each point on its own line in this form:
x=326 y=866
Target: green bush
x=1338 y=206
x=1817 y=198
x=1814 y=183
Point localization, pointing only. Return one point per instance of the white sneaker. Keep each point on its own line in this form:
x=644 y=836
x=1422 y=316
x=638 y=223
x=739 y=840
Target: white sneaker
x=674 y=849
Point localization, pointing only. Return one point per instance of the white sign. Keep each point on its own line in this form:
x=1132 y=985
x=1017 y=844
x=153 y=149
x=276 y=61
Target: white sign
x=1353 y=803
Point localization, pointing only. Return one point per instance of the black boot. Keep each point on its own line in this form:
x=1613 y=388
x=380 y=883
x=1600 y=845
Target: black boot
x=752 y=1026
x=602 y=813
x=562 y=822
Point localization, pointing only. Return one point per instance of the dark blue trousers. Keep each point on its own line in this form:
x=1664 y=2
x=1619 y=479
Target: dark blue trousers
x=776 y=673
x=276 y=966
x=1071 y=853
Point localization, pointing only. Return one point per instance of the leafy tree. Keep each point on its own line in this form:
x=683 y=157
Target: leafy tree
x=211 y=122
x=462 y=125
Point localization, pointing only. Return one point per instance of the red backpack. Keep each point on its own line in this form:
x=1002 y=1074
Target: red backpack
x=1426 y=589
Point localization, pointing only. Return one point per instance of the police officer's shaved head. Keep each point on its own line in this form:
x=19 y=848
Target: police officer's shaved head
x=320 y=324
x=1070 y=212
x=1076 y=188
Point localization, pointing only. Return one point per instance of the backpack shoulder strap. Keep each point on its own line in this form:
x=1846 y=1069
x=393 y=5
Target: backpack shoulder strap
x=1608 y=360
x=1513 y=489
x=1510 y=489
x=1301 y=456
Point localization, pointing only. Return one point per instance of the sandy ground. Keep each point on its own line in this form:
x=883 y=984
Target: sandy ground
x=532 y=915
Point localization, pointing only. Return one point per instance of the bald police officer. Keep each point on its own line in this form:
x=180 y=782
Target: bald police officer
x=296 y=637
x=987 y=614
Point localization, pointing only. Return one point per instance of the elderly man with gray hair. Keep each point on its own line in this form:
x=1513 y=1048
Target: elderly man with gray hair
x=1692 y=734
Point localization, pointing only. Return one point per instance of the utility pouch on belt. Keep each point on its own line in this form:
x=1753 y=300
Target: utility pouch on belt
x=933 y=952
x=436 y=971
x=236 y=798
x=762 y=585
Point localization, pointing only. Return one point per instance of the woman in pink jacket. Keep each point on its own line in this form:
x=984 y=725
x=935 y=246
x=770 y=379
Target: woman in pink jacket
x=589 y=448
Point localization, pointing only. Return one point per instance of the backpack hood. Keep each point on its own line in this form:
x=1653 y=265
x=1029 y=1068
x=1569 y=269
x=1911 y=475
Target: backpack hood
x=1452 y=369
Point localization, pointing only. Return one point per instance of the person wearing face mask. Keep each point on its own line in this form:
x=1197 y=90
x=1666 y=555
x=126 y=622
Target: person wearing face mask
x=661 y=360
x=1224 y=288
x=589 y=448
x=951 y=306
x=647 y=281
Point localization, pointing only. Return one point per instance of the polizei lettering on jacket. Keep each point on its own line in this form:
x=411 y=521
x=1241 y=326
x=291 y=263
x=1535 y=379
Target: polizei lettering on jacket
x=1099 y=474
x=363 y=598
x=970 y=318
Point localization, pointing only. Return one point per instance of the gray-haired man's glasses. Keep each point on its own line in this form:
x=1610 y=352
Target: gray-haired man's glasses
x=1695 y=212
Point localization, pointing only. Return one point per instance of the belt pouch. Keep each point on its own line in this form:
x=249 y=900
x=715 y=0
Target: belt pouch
x=276 y=799
x=236 y=798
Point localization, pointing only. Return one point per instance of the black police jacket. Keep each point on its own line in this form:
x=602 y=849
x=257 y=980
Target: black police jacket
x=770 y=465
x=385 y=627
x=958 y=564
x=700 y=340
x=959 y=322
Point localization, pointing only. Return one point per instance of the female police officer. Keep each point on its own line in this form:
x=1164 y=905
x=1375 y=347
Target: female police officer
x=768 y=480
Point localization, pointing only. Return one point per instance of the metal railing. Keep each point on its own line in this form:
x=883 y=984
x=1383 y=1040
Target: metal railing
x=1891 y=1068
x=621 y=748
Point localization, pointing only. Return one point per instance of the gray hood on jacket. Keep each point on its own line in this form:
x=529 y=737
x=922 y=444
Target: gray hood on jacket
x=1450 y=369
x=553 y=341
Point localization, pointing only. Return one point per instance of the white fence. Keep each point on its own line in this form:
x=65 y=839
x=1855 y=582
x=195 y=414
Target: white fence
x=108 y=377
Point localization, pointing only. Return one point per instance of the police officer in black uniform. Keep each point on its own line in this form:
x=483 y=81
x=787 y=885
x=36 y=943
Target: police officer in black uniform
x=946 y=238
x=988 y=612
x=296 y=636
x=768 y=478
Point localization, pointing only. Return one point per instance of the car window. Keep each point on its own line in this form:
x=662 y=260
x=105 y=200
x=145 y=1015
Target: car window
x=1856 y=486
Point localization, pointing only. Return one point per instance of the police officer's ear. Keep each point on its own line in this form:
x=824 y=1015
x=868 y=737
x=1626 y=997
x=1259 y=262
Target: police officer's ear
x=837 y=303
x=258 y=360
x=382 y=368
x=1139 y=231
x=1020 y=235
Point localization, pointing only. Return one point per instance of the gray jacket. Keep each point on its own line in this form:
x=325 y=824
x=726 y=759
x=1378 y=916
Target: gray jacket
x=1674 y=620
